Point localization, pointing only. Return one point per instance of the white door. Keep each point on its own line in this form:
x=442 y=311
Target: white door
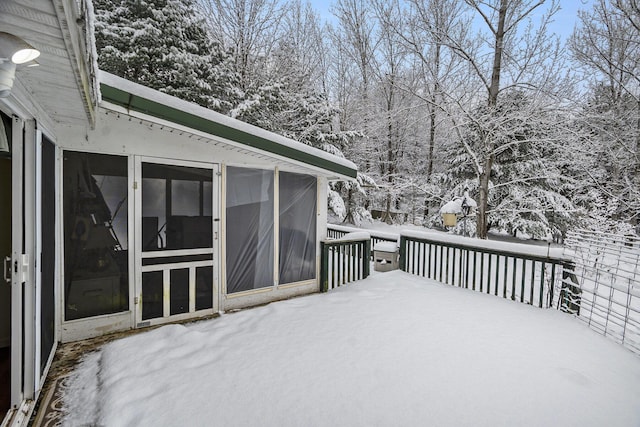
x=176 y=235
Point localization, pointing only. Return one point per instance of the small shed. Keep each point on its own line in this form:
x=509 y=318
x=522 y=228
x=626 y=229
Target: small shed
x=122 y=207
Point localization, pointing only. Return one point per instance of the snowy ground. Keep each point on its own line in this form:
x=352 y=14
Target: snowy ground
x=392 y=350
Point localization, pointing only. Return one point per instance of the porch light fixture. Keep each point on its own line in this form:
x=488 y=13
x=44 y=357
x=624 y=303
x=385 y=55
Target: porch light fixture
x=16 y=50
x=13 y=51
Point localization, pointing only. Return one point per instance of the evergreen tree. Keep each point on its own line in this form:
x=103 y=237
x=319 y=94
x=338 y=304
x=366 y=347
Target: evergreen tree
x=530 y=193
x=163 y=44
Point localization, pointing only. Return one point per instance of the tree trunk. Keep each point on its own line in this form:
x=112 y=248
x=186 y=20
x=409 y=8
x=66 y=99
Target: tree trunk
x=497 y=54
x=483 y=202
x=432 y=111
x=349 y=216
x=494 y=89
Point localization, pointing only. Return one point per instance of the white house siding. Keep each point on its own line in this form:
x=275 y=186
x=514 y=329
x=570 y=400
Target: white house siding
x=118 y=133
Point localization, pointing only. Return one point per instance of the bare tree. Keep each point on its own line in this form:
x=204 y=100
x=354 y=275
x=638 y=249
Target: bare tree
x=354 y=44
x=425 y=27
x=607 y=46
x=248 y=28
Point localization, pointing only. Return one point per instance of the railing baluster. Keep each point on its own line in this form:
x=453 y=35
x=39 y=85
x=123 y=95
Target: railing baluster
x=495 y=291
x=423 y=259
x=429 y=260
x=461 y=255
x=524 y=271
x=351 y=262
x=542 y=271
x=489 y=274
x=513 y=279
x=446 y=271
x=441 y=259
x=552 y=285
x=473 y=269
x=504 y=278
x=413 y=257
x=533 y=281
x=466 y=273
x=336 y=253
x=334 y=270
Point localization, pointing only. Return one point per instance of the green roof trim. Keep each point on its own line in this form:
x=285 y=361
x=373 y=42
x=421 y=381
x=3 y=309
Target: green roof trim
x=142 y=105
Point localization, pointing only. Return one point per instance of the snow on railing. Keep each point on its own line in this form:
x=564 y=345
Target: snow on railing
x=529 y=274
x=338 y=231
x=607 y=267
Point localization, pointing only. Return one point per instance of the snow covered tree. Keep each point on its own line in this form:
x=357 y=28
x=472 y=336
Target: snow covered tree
x=509 y=55
x=606 y=44
x=530 y=192
x=163 y=44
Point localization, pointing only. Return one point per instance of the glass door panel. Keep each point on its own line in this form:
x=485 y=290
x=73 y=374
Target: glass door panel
x=176 y=261
x=95 y=192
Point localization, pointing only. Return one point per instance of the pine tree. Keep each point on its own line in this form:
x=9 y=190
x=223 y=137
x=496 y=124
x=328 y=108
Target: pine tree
x=530 y=192
x=164 y=45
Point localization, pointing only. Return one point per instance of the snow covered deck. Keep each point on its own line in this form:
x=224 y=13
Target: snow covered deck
x=394 y=349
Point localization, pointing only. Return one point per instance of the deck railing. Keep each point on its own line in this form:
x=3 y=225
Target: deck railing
x=344 y=260
x=533 y=275
x=338 y=231
x=595 y=277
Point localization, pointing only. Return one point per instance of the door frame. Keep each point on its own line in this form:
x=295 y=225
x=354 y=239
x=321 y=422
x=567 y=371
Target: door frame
x=26 y=377
x=17 y=262
x=40 y=374
x=88 y=327
x=137 y=239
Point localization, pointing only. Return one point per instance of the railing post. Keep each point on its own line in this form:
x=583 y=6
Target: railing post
x=402 y=262
x=324 y=267
x=570 y=294
x=366 y=267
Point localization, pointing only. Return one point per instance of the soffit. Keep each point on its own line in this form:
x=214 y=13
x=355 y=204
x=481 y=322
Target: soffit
x=56 y=84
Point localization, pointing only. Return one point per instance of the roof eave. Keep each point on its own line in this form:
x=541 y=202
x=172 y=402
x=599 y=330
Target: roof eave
x=134 y=102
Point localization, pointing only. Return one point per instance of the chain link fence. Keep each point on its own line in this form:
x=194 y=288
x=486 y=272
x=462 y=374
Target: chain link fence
x=607 y=298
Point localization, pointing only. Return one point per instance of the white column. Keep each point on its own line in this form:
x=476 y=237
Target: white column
x=16 y=263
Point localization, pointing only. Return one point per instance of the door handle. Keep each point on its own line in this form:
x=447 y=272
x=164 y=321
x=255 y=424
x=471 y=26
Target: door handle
x=6 y=263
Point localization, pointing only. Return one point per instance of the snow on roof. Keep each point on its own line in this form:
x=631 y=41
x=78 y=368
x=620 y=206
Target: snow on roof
x=134 y=96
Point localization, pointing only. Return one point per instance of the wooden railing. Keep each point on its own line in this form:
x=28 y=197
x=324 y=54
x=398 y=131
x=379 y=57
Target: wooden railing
x=344 y=260
x=525 y=273
x=596 y=277
x=530 y=274
x=338 y=231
